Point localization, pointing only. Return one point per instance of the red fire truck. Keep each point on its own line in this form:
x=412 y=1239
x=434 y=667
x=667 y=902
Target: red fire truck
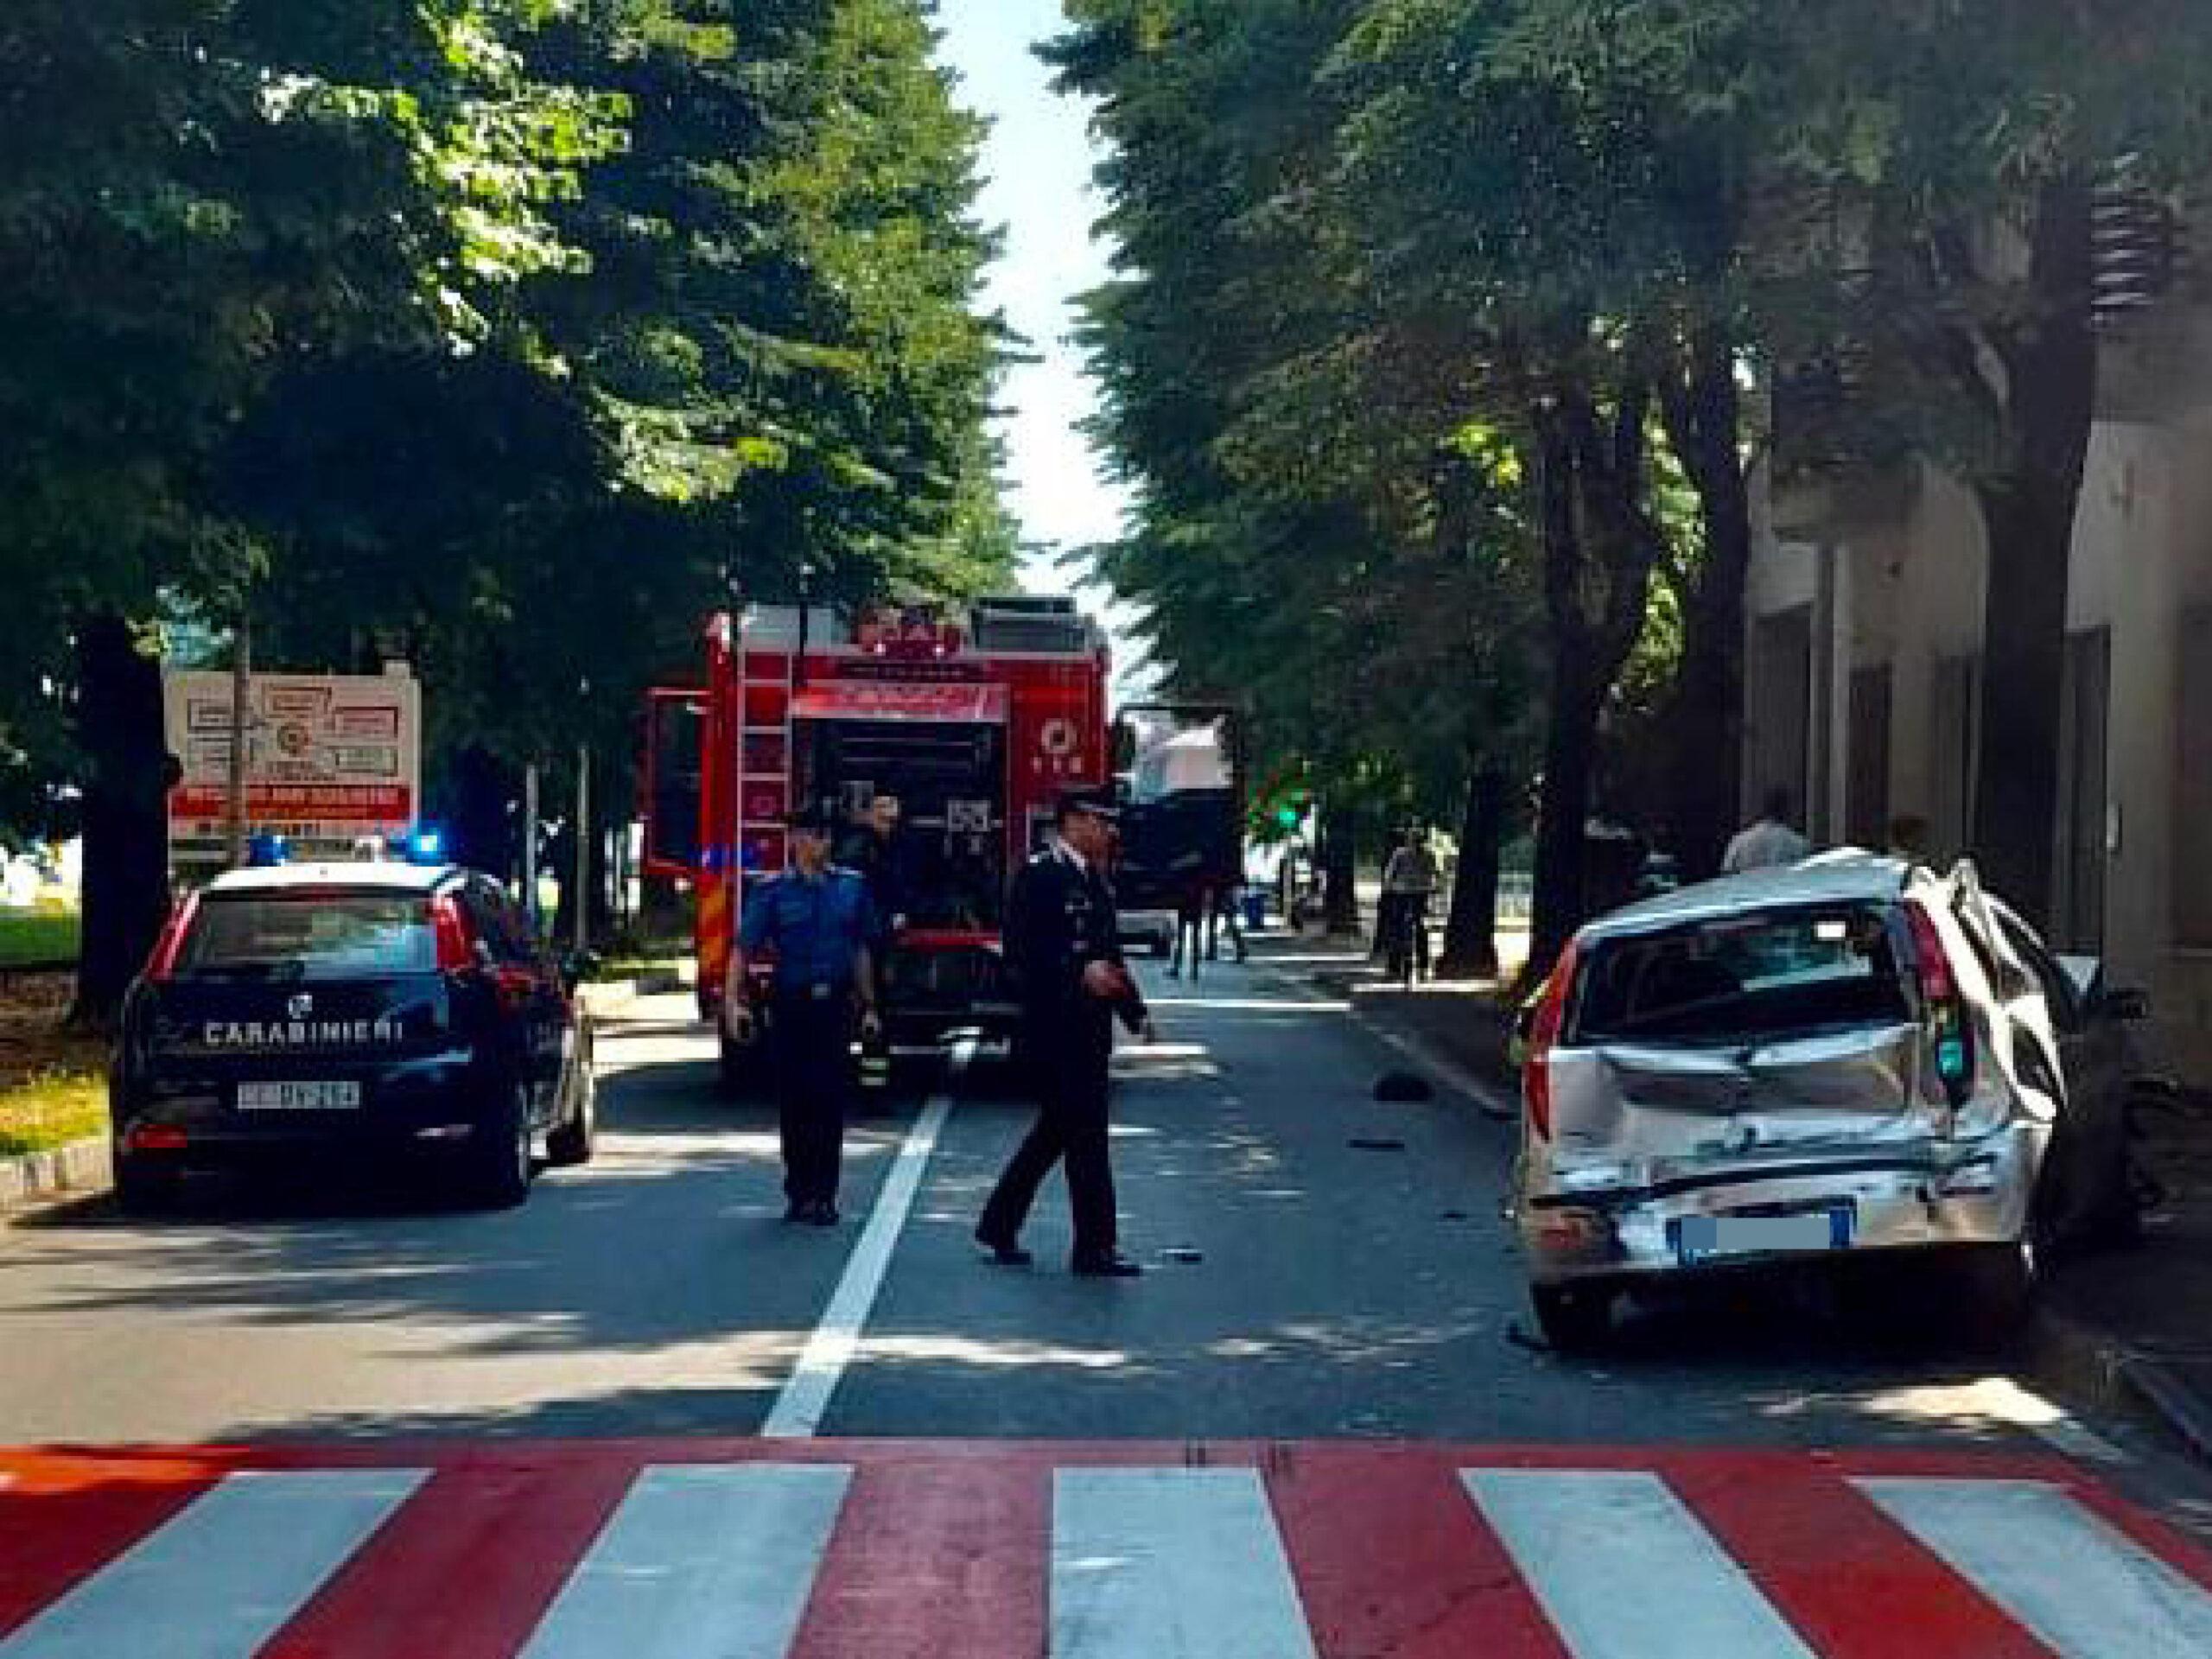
x=975 y=725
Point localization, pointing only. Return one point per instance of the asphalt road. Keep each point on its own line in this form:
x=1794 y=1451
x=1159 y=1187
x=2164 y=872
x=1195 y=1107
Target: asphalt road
x=1317 y=1428
x=1323 y=1265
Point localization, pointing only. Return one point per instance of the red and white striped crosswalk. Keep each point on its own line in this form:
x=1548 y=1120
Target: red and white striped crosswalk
x=971 y=1551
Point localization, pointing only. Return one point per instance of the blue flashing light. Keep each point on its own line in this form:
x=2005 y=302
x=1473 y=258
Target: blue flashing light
x=426 y=846
x=267 y=850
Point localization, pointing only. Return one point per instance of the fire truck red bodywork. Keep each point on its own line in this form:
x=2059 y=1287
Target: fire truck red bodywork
x=774 y=683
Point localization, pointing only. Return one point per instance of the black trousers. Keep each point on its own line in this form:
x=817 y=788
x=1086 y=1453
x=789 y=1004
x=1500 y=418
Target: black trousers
x=1068 y=1061
x=814 y=1077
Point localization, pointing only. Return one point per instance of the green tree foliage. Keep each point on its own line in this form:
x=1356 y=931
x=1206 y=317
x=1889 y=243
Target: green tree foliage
x=1354 y=581
x=1356 y=233
x=510 y=334
x=1943 y=164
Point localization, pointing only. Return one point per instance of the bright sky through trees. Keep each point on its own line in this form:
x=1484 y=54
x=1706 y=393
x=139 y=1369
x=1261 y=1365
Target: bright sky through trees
x=1037 y=186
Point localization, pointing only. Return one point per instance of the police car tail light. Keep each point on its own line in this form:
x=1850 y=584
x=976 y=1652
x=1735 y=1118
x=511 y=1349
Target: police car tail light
x=1543 y=1037
x=161 y=967
x=455 y=953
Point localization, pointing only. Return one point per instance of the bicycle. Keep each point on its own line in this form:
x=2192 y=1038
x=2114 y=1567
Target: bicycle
x=1405 y=933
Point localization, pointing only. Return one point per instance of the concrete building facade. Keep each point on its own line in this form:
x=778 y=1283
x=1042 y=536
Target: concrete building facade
x=1864 y=651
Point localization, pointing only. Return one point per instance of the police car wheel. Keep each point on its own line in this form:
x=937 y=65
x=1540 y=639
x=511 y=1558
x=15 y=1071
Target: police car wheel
x=573 y=1141
x=501 y=1160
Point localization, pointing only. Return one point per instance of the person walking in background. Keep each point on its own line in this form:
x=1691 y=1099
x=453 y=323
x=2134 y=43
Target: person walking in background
x=1063 y=948
x=1770 y=842
x=877 y=854
x=1909 y=837
x=1229 y=913
x=819 y=921
x=1193 y=900
x=1409 y=882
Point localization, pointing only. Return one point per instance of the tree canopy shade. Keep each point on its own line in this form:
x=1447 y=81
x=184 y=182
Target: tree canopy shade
x=1509 y=282
x=510 y=334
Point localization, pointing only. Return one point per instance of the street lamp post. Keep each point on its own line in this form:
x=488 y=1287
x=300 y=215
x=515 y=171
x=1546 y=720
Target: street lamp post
x=234 y=780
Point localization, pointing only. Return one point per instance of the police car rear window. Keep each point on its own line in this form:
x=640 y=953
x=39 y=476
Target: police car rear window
x=310 y=936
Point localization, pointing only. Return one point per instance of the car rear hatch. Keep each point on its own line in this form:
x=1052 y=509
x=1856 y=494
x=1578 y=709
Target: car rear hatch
x=1743 y=1043
x=306 y=987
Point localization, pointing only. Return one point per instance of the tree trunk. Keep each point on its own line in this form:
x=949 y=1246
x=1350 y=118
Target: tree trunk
x=126 y=895
x=597 y=893
x=1470 y=931
x=1600 y=547
x=2023 y=665
x=1704 y=413
x=480 y=827
x=1340 y=871
x=2051 y=368
x=1563 y=808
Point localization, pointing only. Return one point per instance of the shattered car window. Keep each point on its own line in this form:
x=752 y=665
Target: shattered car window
x=1737 y=978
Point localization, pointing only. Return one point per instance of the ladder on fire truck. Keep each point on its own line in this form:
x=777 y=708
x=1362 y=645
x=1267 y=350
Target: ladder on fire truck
x=767 y=730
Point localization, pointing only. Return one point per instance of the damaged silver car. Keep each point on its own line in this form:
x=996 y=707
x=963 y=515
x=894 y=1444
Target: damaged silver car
x=1850 y=1056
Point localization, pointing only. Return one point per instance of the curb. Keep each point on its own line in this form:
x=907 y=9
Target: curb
x=74 y=1171
x=607 y=998
x=2112 y=1376
x=1493 y=1102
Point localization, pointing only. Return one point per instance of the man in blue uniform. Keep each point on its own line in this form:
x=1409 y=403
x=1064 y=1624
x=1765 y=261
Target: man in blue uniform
x=1062 y=943
x=818 y=921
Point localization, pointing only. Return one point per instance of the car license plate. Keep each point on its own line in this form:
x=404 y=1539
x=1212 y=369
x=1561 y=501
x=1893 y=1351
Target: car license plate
x=1717 y=1238
x=299 y=1096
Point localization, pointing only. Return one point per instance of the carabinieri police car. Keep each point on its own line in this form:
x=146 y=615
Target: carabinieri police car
x=331 y=1012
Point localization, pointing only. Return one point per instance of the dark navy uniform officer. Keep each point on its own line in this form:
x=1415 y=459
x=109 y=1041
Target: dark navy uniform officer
x=1062 y=942
x=820 y=924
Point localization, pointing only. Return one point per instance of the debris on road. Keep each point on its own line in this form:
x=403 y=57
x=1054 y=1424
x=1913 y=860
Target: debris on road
x=1404 y=1088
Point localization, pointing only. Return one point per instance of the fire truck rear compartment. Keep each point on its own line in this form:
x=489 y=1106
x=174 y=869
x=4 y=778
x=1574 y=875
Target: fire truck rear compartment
x=950 y=782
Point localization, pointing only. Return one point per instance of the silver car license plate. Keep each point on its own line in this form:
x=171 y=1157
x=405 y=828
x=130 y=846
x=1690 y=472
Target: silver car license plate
x=299 y=1096
x=1718 y=1239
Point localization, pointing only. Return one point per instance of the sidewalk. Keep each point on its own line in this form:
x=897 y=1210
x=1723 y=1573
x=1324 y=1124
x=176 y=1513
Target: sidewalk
x=2148 y=1311
x=2130 y=1327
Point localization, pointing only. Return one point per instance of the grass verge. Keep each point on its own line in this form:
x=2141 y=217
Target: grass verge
x=52 y=1111
x=53 y=1080
x=37 y=937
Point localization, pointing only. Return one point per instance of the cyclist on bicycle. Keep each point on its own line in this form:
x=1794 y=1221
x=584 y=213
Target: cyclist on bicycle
x=1408 y=881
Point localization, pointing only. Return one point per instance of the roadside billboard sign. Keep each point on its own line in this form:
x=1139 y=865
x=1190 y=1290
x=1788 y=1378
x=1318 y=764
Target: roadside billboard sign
x=330 y=759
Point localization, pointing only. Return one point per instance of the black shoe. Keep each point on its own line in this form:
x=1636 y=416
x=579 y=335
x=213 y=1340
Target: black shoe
x=1112 y=1265
x=1003 y=1252
x=796 y=1211
x=822 y=1214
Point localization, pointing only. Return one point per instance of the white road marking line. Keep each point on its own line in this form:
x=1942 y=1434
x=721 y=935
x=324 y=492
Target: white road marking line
x=1171 y=1564
x=2082 y=1587
x=804 y=1400
x=717 y=1561
x=1624 y=1570
x=225 y=1574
